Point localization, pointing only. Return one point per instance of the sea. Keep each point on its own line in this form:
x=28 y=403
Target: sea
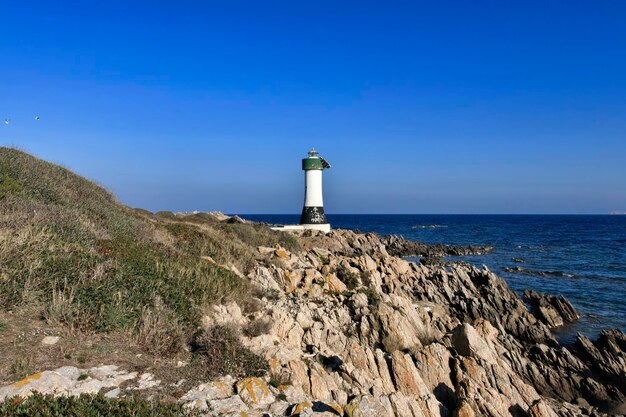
x=582 y=257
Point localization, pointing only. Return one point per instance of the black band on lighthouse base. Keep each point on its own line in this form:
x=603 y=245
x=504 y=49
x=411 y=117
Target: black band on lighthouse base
x=313 y=215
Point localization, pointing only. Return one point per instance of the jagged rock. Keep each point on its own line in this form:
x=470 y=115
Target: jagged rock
x=607 y=354
x=279 y=408
x=504 y=360
x=322 y=383
x=464 y=410
x=552 y=310
x=408 y=380
x=606 y=358
x=299 y=408
x=317 y=409
x=541 y=409
x=433 y=365
x=359 y=300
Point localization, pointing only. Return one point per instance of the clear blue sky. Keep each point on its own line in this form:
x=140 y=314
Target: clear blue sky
x=453 y=107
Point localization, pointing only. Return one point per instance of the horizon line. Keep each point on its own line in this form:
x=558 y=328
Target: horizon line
x=435 y=214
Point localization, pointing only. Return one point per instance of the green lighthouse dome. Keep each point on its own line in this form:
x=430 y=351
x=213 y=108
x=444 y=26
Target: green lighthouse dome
x=314 y=162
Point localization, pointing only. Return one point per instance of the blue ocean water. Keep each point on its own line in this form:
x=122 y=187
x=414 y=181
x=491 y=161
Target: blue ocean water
x=581 y=257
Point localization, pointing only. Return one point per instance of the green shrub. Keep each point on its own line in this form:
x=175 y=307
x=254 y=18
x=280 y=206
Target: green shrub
x=366 y=278
x=373 y=299
x=39 y=405
x=347 y=277
x=278 y=379
x=8 y=185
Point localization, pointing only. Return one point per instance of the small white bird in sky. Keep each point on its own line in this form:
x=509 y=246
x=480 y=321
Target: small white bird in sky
x=7 y=121
x=37 y=117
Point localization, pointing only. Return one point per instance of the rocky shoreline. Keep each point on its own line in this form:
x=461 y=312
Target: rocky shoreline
x=350 y=328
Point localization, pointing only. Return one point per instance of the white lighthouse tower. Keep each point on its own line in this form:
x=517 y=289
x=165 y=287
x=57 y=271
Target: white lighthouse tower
x=313 y=216
x=313 y=211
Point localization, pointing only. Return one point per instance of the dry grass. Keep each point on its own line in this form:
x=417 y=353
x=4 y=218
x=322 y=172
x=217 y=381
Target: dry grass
x=60 y=310
x=221 y=352
x=252 y=305
x=257 y=328
x=391 y=343
x=159 y=331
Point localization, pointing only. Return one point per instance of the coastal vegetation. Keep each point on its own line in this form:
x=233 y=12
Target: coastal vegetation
x=72 y=253
x=89 y=406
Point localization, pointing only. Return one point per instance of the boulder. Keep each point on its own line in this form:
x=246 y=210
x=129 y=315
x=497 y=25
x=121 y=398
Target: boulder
x=368 y=406
x=468 y=342
x=255 y=392
x=68 y=380
x=228 y=406
x=215 y=390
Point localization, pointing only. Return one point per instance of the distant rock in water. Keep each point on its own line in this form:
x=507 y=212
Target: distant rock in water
x=401 y=247
x=428 y=226
x=520 y=270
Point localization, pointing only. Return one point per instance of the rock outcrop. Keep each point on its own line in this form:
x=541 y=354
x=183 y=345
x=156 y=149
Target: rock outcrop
x=70 y=380
x=355 y=331
x=399 y=246
x=551 y=310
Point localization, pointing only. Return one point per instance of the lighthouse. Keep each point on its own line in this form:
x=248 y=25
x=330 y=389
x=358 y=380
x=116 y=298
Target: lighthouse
x=313 y=216
x=313 y=211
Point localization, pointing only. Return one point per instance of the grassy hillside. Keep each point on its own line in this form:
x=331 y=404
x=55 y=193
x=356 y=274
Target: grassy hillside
x=95 y=265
